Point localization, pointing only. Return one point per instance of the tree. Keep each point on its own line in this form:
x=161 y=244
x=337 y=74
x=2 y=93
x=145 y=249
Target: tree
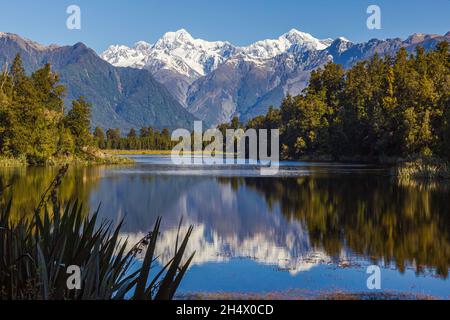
x=18 y=75
x=113 y=138
x=399 y=107
x=78 y=121
x=132 y=141
x=132 y=133
x=32 y=121
x=308 y=133
x=144 y=132
x=66 y=144
x=48 y=91
x=30 y=127
x=99 y=137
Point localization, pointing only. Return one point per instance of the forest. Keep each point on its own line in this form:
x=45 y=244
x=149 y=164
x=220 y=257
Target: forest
x=148 y=138
x=34 y=126
x=391 y=107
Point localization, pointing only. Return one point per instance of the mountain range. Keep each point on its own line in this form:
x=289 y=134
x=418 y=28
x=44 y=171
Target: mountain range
x=122 y=98
x=179 y=78
x=217 y=80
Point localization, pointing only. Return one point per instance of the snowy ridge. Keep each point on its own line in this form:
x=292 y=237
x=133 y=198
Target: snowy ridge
x=179 y=52
x=123 y=56
x=293 y=39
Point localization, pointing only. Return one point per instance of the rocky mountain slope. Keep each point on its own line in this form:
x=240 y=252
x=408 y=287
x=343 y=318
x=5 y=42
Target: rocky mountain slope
x=121 y=97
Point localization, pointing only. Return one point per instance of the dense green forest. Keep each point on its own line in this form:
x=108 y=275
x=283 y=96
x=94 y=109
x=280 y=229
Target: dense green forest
x=396 y=107
x=148 y=138
x=33 y=124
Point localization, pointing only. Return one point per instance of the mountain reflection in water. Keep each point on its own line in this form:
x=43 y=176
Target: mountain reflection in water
x=309 y=215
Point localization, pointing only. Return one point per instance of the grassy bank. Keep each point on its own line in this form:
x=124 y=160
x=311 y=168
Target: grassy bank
x=88 y=157
x=6 y=162
x=137 y=152
x=149 y=152
x=423 y=169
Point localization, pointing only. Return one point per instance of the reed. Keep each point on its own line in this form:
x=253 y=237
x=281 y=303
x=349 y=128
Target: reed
x=423 y=169
x=12 y=162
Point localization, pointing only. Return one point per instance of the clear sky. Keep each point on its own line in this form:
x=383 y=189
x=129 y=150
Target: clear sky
x=238 y=21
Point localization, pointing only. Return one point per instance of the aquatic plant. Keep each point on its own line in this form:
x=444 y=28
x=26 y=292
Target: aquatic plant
x=423 y=169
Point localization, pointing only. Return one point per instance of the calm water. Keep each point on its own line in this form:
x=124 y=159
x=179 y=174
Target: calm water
x=314 y=228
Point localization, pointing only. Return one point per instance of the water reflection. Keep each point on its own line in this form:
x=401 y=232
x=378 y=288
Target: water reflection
x=291 y=222
x=407 y=224
x=27 y=184
x=307 y=216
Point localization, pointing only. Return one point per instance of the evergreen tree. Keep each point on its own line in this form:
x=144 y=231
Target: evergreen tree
x=78 y=122
x=99 y=137
x=32 y=121
x=397 y=107
x=113 y=138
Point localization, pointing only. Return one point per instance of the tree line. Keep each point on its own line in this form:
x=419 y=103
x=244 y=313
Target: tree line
x=35 y=125
x=385 y=107
x=33 y=121
x=148 y=138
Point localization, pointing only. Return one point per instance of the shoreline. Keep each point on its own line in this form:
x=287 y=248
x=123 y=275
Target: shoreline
x=415 y=169
x=89 y=159
x=148 y=152
x=306 y=295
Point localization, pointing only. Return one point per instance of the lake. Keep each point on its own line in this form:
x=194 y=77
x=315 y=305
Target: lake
x=311 y=230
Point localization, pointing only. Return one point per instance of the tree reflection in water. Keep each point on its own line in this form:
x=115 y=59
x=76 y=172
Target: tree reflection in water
x=277 y=220
x=407 y=223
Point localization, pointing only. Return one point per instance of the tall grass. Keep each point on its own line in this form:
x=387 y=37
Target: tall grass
x=6 y=162
x=36 y=251
x=423 y=169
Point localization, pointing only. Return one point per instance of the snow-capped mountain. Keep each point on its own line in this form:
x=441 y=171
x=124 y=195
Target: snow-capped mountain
x=181 y=53
x=177 y=59
x=293 y=40
x=175 y=51
x=217 y=80
x=123 y=56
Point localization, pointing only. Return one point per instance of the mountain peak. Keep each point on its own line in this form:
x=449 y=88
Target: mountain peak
x=294 y=31
x=297 y=38
x=80 y=45
x=142 y=46
x=291 y=41
x=340 y=45
x=296 y=35
x=180 y=35
x=24 y=41
x=182 y=31
x=343 y=39
x=419 y=37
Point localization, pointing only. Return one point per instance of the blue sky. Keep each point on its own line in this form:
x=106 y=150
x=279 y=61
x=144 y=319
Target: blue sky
x=238 y=21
